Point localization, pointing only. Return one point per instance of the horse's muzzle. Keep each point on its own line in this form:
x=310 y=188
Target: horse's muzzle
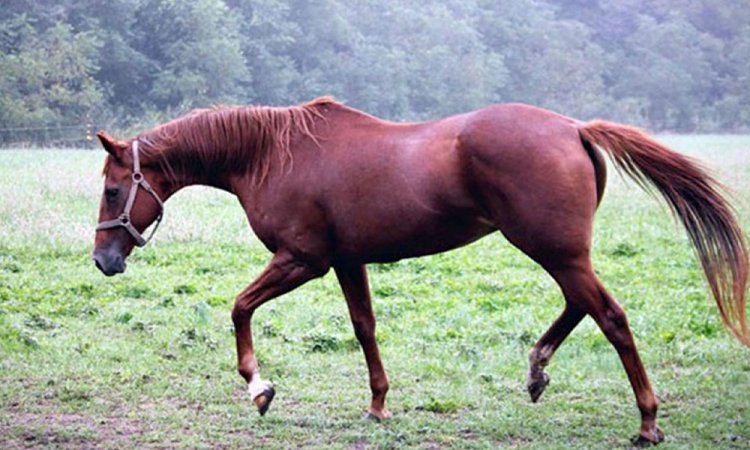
x=110 y=263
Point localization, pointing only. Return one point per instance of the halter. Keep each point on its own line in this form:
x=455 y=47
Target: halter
x=124 y=219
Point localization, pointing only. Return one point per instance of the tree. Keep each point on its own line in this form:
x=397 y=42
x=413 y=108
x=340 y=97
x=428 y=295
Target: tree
x=733 y=109
x=671 y=65
x=665 y=64
x=267 y=37
x=195 y=49
x=47 y=76
x=398 y=60
x=551 y=62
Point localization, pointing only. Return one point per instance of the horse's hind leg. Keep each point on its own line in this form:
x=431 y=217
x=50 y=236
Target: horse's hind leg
x=566 y=257
x=546 y=346
x=583 y=289
x=541 y=188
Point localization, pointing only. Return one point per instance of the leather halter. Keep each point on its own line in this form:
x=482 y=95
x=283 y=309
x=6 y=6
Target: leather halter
x=124 y=219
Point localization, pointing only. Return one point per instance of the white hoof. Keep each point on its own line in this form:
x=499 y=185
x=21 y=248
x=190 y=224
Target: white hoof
x=258 y=387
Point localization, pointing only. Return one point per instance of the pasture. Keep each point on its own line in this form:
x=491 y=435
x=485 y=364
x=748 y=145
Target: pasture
x=147 y=359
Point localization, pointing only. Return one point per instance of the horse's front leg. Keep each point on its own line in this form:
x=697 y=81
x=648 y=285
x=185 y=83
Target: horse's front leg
x=282 y=274
x=353 y=280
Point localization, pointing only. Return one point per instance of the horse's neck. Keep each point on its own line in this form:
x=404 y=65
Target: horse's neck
x=186 y=172
x=237 y=164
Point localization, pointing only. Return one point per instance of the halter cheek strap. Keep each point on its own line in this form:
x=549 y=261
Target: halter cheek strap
x=124 y=219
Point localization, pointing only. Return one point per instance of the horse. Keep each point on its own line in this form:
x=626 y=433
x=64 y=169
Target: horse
x=327 y=186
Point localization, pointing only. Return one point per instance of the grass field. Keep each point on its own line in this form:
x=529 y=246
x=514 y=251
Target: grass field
x=147 y=359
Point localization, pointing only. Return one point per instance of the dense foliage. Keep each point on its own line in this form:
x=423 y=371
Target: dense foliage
x=666 y=64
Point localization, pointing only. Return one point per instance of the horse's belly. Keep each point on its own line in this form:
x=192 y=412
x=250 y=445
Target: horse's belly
x=406 y=239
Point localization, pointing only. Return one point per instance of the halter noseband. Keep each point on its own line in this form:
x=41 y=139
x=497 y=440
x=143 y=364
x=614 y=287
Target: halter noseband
x=124 y=219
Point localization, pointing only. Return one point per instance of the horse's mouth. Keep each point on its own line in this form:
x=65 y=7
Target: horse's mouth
x=110 y=268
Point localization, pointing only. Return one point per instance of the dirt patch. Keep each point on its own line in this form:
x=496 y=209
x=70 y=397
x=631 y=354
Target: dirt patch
x=26 y=430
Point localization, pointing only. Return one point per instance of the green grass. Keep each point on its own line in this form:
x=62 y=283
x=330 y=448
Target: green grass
x=147 y=359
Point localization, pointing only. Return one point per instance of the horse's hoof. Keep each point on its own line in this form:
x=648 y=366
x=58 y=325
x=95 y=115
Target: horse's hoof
x=264 y=399
x=648 y=438
x=377 y=416
x=537 y=386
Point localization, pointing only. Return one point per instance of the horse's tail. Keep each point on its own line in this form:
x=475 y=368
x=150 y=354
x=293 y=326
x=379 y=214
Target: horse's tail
x=693 y=196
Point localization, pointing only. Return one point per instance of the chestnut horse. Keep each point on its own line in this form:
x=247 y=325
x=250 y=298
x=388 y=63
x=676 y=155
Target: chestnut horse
x=325 y=185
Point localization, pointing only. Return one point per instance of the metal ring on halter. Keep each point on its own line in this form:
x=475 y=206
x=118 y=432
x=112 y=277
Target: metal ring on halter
x=123 y=220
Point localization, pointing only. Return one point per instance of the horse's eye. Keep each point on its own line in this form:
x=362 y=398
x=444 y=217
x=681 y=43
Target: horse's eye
x=111 y=193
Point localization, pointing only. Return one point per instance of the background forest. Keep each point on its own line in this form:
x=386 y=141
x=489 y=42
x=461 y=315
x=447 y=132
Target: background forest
x=678 y=65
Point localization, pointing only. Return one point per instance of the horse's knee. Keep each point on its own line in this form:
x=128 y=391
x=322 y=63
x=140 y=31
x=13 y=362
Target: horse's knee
x=240 y=314
x=242 y=311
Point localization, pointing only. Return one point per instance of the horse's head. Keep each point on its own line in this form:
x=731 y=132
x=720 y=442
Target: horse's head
x=131 y=201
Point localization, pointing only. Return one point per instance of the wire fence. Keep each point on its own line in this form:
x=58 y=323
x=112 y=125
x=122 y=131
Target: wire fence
x=77 y=135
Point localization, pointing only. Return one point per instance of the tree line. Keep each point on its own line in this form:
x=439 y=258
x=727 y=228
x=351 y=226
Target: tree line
x=681 y=65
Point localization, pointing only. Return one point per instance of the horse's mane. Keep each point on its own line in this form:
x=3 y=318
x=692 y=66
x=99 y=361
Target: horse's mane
x=231 y=138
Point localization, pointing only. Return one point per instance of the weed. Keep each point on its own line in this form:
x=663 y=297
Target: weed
x=39 y=322
x=322 y=342
x=124 y=317
x=625 y=249
x=185 y=289
x=444 y=406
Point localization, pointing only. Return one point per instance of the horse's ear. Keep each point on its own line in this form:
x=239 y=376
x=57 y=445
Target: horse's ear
x=113 y=146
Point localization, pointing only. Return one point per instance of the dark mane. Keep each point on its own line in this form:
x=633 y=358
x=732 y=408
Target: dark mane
x=231 y=138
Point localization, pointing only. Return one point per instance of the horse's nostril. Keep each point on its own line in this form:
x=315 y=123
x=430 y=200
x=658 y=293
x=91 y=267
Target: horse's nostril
x=109 y=265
